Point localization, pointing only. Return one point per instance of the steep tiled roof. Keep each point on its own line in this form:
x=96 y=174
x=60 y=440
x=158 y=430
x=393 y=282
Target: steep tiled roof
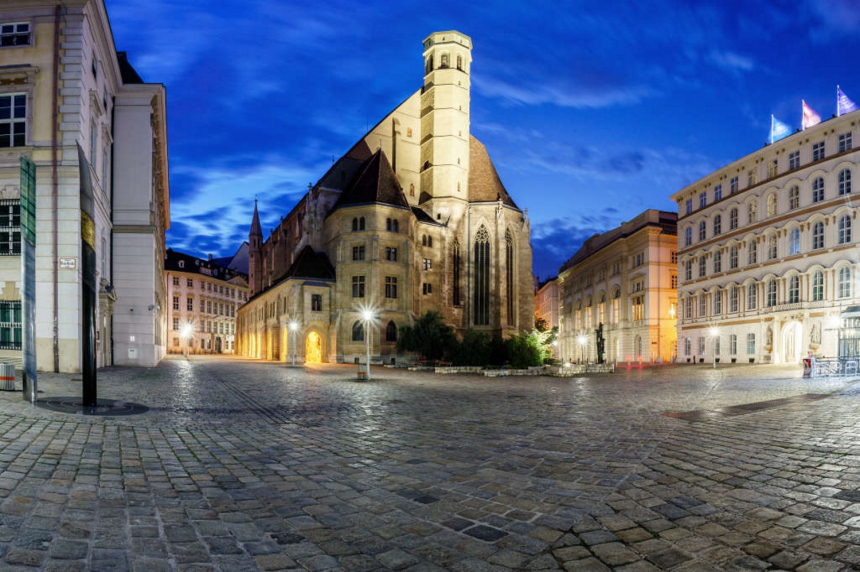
x=374 y=183
x=181 y=262
x=422 y=216
x=126 y=71
x=484 y=182
x=311 y=264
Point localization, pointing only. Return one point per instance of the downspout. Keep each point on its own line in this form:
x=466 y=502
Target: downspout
x=112 y=151
x=55 y=184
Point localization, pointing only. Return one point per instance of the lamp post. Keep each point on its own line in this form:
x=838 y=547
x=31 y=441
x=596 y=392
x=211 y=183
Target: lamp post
x=715 y=333
x=186 y=332
x=582 y=340
x=555 y=349
x=367 y=317
x=293 y=327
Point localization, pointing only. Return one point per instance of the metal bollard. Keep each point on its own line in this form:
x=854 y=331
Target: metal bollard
x=7 y=377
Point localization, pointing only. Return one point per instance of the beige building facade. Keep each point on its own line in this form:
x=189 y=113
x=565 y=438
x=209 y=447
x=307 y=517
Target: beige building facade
x=92 y=101
x=624 y=279
x=768 y=250
x=203 y=298
x=412 y=218
x=546 y=302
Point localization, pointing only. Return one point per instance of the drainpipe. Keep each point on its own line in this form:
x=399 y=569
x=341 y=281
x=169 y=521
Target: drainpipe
x=55 y=183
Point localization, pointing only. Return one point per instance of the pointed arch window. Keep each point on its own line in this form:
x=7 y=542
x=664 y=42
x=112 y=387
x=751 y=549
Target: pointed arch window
x=391 y=332
x=509 y=274
x=455 y=260
x=358 y=332
x=482 y=278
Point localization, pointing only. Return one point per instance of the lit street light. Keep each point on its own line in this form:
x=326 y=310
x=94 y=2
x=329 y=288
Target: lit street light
x=293 y=327
x=186 y=332
x=715 y=333
x=582 y=341
x=367 y=318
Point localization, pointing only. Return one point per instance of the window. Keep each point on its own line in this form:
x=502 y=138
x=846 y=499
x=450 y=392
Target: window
x=94 y=139
x=427 y=288
x=176 y=302
x=638 y=259
x=702 y=262
x=688 y=236
x=616 y=303
x=674 y=281
x=701 y=345
x=427 y=264
x=10 y=325
x=673 y=256
x=358 y=252
x=703 y=306
x=794 y=160
x=13 y=120
x=175 y=324
x=354 y=224
x=771 y=248
x=844 y=229
x=202 y=285
x=702 y=232
x=752 y=296
x=637 y=308
x=818 y=151
x=189 y=282
x=818 y=190
x=176 y=280
x=703 y=200
x=15 y=34
x=718 y=261
x=772 y=169
x=688 y=308
x=770 y=295
x=794 y=290
x=391 y=332
x=771 y=205
x=361 y=223
x=688 y=270
x=752 y=252
x=733 y=344
x=817 y=235
x=316 y=302
x=718 y=302
x=509 y=275
x=818 y=286
x=843 y=283
x=391 y=254
x=208 y=306
x=482 y=278
x=751 y=344
x=688 y=346
x=733 y=257
x=718 y=225
x=358 y=332
x=844 y=182
x=189 y=304
x=794 y=241
x=733 y=185
x=455 y=281
x=752 y=178
x=733 y=299
x=391 y=225
x=689 y=205
x=717 y=345
x=181 y=264
x=391 y=287
x=793 y=197
x=844 y=142
x=358 y=286
x=718 y=193
x=733 y=219
x=751 y=213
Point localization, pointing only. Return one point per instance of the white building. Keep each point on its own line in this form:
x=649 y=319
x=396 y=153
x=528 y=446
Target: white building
x=546 y=302
x=94 y=101
x=205 y=296
x=768 y=250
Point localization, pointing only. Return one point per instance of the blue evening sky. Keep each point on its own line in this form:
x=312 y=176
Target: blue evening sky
x=591 y=111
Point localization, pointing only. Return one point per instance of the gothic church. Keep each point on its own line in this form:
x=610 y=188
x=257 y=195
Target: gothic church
x=412 y=218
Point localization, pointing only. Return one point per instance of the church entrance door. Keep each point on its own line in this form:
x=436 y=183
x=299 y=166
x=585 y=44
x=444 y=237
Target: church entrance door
x=313 y=348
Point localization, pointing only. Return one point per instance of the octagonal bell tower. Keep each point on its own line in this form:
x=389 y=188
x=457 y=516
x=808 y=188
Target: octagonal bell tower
x=445 y=115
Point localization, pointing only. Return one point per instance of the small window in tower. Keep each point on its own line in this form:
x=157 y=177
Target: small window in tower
x=409 y=132
x=426 y=165
x=459 y=62
x=411 y=190
x=444 y=61
x=458 y=186
x=458 y=160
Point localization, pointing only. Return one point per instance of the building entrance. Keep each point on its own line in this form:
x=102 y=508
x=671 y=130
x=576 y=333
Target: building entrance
x=313 y=348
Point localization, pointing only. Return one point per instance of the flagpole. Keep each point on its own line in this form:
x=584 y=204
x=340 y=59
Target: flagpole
x=837 y=101
x=771 y=128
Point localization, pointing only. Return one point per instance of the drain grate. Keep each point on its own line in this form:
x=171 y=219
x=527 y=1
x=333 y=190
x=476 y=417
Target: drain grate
x=734 y=410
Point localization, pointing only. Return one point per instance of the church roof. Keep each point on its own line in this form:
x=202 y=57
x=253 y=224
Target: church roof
x=422 y=216
x=311 y=264
x=374 y=183
x=484 y=182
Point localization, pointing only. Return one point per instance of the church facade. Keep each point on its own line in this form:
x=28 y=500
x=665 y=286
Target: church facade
x=412 y=218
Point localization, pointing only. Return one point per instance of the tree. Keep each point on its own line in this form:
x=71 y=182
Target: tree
x=429 y=336
x=541 y=324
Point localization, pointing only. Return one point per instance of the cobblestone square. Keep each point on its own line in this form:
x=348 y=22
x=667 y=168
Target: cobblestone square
x=242 y=465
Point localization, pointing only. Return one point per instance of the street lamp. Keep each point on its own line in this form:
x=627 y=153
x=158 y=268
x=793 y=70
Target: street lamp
x=186 y=332
x=367 y=318
x=293 y=327
x=715 y=333
x=582 y=341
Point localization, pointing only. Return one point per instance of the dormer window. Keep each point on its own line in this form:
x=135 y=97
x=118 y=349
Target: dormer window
x=181 y=264
x=15 y=34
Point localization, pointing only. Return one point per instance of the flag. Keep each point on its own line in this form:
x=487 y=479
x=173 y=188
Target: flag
x=843 y=104
x=810 y=118
x=778 y=129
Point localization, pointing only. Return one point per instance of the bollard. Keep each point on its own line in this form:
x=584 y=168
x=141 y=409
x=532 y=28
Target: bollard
x=7 y=377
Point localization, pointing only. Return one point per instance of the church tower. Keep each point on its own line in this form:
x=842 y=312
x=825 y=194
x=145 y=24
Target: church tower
x=445 y=116
x=255 y=255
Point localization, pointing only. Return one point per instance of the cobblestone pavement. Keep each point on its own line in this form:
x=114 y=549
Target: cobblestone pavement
x=240 y=465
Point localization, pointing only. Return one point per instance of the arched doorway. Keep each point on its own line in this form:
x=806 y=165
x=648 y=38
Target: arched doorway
x=313 y=348
x=218 y=345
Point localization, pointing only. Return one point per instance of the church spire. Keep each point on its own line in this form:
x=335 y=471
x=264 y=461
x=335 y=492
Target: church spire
x=255 y=223
x=255 y=258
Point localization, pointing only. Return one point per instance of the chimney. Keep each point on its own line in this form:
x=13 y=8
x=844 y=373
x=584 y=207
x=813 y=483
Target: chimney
x=210 y=257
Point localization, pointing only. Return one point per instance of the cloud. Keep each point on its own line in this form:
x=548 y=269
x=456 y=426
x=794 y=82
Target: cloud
x=556 y=240
x=731 y=61
x=540 y=94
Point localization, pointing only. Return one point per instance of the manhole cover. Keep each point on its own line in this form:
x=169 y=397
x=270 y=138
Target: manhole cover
x=104 y=407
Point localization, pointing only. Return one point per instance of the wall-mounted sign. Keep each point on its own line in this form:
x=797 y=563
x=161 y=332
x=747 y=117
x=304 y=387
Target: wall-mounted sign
x=68 y=263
